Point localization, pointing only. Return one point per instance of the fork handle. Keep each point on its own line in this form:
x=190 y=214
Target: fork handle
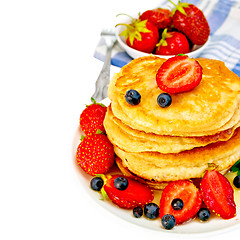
x=101 y=84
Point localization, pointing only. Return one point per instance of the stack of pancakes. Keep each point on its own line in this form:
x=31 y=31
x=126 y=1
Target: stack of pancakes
x=200 y=127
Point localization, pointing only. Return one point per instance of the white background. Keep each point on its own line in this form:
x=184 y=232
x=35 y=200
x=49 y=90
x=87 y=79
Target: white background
x=47 y=72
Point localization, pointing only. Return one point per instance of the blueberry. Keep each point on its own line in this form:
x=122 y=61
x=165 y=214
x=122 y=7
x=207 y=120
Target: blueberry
x=236 y=181
x=151 y=210
x=177 y=204
x=133 y=97
x=137 y=212
x=97 y=183
x=168 y=221
x=203 y=214
x=164 y=100
x=120 y=183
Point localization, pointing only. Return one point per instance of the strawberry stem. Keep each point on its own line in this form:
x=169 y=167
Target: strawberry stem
x=163 y=41
x=103 y=192
x=179 y=7
x=93 y=100
x=125 y=24
x=125 y=15
x=173 y=3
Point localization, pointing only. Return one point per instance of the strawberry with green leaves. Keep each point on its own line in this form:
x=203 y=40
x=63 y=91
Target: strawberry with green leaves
x=91 y=118
x=160 y=17
x=190 y=20
x=140 y=35
x=95 y=154
x=172 y=43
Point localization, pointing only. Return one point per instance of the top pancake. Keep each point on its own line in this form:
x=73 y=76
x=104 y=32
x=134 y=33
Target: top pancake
x=211 y=107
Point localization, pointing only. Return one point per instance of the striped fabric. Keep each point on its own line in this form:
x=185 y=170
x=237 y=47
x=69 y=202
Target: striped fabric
x=224 y=20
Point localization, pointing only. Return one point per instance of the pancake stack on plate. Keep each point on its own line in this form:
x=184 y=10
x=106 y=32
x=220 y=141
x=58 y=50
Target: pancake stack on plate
x=200 y=127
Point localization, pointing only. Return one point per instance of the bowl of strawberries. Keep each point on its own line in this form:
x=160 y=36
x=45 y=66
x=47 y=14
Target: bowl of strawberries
x=164 y=32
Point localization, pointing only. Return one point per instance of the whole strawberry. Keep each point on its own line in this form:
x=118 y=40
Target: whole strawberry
x=160 y=17
x=95 y=154
x=190 y=20
x=91 y=119
x=172 y=43
x=140 y=35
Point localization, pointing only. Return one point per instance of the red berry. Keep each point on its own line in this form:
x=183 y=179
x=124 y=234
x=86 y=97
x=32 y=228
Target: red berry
x=160 y=17
x=91 y=119
x=136 y=193
x=172 y=43
x=179 y=74
x=188 y=193
x=141 y=35
x=95 y=154
x=190 y=20
x=217 y=194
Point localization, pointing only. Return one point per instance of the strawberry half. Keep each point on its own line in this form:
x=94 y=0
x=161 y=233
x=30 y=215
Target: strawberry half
x=188 y=193
x=91 y=118
x=217 y=194
x=95 y=154
x=179 y=74
x=136 y=194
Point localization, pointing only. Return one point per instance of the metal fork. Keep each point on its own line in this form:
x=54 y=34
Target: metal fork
x=101 y=85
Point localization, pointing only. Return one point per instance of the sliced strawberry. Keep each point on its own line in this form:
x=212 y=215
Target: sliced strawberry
x=179 y=74
x=136 y=194
x=188 y=193
x=217 y=194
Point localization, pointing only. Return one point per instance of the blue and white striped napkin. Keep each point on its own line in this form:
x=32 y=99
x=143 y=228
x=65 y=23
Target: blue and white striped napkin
x=224 y=20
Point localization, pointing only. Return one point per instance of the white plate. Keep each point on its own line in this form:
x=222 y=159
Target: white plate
x=192 y=228
x=196 y=50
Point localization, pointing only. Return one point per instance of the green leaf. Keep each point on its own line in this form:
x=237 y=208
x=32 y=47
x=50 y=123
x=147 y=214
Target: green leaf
x=236 y=168
x=101 y=104
x=103 y=192
x=124 y=33
x=82 y=137
x=99 y=132
x=179 y=7
x=93 y=100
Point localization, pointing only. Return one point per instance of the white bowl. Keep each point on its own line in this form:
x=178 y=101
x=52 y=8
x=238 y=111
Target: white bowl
x=195 y=51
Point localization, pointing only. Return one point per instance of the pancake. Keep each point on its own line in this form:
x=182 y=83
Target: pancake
x=159 y=145
x=133 y=140
x=184 y=165
x=158 y=185
x=210 y=108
